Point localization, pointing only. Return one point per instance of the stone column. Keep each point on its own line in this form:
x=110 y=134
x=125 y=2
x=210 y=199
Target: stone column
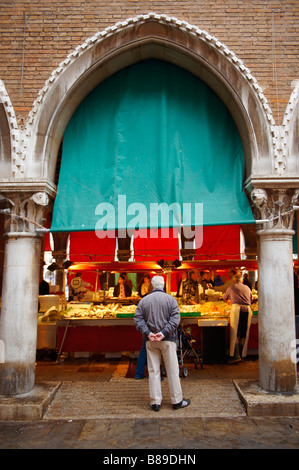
x=18 y=319
x=60 y=254
x=124 y=252
x=277 y=372
x=249 y=232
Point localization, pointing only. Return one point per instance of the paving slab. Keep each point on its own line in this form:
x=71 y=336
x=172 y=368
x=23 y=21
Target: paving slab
x=259 y=402
x=29 y=406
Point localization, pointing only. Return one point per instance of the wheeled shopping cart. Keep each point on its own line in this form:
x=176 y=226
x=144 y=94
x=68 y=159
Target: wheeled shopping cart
x=185 y=347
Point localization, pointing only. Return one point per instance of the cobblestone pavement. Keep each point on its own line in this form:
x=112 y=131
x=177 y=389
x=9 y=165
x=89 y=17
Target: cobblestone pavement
x=99 y=405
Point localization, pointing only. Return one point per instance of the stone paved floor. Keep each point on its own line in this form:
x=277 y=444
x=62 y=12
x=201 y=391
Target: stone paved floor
x=129 y=399
x=152 y=433
x=100 y=406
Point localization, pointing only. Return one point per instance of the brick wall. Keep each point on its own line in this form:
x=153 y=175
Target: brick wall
x=261 y=33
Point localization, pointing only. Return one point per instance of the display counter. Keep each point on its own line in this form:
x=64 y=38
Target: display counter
x=46 y=335
x=109 y=327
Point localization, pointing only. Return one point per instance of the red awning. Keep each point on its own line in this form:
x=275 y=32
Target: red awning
x=147 y=266
x=219 y=242
x=117 y=266
x=164 y=246
x=220 y=265
x=86 y=246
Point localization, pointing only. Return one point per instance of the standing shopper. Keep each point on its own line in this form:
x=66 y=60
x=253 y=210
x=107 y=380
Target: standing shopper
x=157 y=317
x=190 y=289
x=240 y=297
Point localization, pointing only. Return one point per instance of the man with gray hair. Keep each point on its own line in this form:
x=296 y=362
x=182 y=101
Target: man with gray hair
x=157 y=317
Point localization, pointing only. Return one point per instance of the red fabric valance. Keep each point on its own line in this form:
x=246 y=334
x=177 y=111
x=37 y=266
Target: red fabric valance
x=219 y=242
x=154 y=249
x=86 y=246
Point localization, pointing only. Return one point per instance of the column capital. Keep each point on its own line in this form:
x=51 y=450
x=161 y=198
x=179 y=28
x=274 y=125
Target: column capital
x=275 y=208
x=24 y=212
x=24 y=203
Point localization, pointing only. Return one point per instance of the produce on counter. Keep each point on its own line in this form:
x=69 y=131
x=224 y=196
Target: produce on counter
x=96 y=311
x=207 y=308
x=112 y=310
x=51 y=315
x=254 y=294
x=213 y=294
x=210 y=308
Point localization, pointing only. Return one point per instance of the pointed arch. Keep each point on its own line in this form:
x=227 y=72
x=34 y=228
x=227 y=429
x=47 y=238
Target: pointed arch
x=290 y=143
x=8 y=135
x=136 y=39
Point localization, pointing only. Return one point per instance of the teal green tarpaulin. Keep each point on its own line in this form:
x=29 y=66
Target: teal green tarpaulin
x=152 y=133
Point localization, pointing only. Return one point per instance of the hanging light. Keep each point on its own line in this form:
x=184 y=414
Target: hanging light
x=169 y=265
x=67 y=264
x=176 y=263
x=161 y=263
x=53 y=267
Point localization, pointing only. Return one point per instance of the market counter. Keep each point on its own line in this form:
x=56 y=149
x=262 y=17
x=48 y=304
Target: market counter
x=46 y=336
x=211 y=336
x=212 y=322
x=111 y=328
x=106 y=335
x=120 y=334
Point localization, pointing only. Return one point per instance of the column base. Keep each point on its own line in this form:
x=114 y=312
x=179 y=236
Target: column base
x=16 y=379
x=257 y=402
x=31 y=406
x=278 y=376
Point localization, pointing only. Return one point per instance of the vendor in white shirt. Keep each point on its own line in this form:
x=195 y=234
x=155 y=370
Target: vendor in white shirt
x=78 y=286
x=240 y=297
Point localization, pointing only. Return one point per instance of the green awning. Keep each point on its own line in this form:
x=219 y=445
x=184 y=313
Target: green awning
x=151 y=134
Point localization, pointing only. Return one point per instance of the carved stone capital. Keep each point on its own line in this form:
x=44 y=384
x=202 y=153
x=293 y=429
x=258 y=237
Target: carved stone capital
x=275 y=207
x=24 y=211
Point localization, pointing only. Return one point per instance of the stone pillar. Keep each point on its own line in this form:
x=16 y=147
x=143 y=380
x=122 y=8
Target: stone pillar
x=124 y=252
x=277 y=372
x=187 y=254
x=60 y=254
x=249 y=232
x=18 y=319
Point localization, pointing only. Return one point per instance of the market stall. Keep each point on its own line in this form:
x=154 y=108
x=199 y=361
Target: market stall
x=102 y=323
x=110 y=328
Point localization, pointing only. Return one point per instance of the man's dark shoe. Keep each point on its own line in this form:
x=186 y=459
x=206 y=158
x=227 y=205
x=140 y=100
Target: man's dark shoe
x=156 y=407
x=182 y=404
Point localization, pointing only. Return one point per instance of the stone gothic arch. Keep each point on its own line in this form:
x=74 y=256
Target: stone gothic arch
x=136 y=39
x=8 y=134
x=290 y=132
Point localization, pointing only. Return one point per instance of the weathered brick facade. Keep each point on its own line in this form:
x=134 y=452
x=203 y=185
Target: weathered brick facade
x=37 y=35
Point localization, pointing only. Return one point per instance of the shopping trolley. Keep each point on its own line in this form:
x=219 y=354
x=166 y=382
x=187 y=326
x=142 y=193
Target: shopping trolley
x=185 y=347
